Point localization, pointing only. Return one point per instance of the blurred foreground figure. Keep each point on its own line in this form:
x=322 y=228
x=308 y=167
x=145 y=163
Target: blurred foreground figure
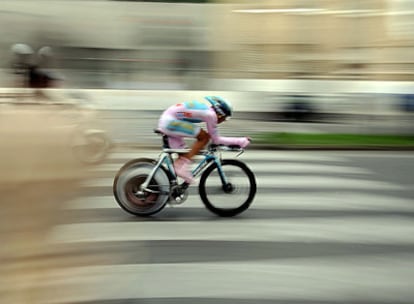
x=22 y=59
x=33 y=69
x=38 y=173
x=35 y=78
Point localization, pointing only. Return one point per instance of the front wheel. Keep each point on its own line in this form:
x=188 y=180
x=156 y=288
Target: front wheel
x=233 y=197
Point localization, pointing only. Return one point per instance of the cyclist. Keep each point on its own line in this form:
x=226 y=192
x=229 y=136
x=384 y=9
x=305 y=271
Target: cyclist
x=180 y=121
x=34 y=67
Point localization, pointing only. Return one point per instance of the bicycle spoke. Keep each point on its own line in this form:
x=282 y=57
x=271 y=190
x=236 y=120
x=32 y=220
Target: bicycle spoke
x=239 y=184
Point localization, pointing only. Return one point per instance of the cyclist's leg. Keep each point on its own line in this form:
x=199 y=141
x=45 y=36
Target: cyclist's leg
x=180 y=129
x=184 y=160
x=202 y=139
x=176 y=142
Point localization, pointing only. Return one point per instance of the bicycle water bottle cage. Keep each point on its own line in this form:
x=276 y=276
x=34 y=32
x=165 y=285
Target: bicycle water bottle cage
x=165 y=144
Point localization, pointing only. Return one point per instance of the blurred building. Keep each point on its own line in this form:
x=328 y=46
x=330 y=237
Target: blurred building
x=143 y=45
x=322 y=39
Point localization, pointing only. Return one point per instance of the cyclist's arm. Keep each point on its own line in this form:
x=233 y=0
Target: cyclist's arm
x=211 y=122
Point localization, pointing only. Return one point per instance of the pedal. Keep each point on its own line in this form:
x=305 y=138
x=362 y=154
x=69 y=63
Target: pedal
x=178 y=196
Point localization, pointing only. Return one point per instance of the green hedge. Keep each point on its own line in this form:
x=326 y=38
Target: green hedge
x=341 y=140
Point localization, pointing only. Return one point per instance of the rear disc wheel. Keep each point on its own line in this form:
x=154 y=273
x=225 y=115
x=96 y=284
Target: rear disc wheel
x=130 y=196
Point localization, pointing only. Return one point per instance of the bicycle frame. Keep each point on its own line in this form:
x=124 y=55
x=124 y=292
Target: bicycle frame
x=210 y=156
x=166 y=159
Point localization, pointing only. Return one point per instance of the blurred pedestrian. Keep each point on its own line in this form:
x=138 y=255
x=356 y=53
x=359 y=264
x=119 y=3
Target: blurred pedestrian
x=34 y=69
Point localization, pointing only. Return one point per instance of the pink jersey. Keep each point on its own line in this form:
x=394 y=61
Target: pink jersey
x=192 y=112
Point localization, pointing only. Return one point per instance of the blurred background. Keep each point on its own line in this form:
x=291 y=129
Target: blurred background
x=112 y=66
x=147 y=45
x=301 y=57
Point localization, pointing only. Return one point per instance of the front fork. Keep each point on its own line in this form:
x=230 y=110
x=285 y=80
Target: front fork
x=223 y=178
x=208 y=159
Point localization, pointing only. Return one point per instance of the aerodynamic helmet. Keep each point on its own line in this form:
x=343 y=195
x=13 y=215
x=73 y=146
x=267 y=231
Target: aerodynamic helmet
x=221 y=106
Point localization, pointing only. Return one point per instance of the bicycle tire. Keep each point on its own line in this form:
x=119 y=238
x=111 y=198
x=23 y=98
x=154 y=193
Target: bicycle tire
x=130 y=177
x=210 y=182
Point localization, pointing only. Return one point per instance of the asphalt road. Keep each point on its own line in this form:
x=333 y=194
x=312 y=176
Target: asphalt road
x=325 y=227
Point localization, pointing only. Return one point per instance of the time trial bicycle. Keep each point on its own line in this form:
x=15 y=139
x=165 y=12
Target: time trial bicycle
x=144 y=186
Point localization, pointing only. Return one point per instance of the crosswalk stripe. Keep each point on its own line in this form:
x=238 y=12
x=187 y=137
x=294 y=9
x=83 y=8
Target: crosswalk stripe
x=281 y=201
x=291 y=182
x=356 y=229
x=285 y=167
x=316 y=280
x=294 y=182
x=257 y=155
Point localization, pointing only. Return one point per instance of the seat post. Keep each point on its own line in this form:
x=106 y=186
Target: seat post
x=165 y=143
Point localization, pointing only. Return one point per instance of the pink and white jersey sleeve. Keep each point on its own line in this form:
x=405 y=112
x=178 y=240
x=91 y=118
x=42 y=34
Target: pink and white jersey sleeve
x=211 y=122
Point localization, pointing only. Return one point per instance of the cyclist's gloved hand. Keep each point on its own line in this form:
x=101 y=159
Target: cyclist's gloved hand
x=244 y=142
